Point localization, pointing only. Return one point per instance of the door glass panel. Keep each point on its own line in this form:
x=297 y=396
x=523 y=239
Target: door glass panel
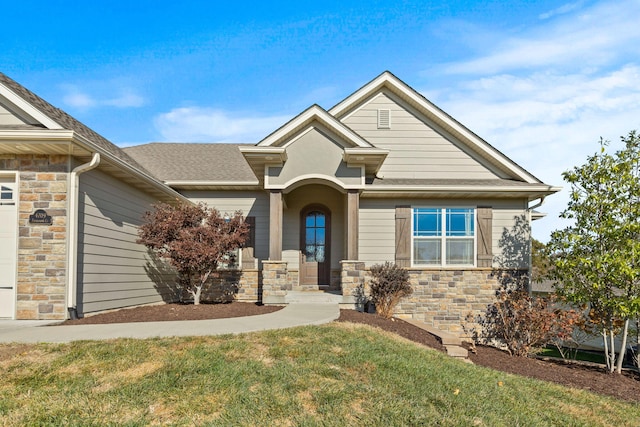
x=310 y=237
x=315 y=237
x=311 y=220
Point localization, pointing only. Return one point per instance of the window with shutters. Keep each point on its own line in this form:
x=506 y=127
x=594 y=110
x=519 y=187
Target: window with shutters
x=443 y=236
x=242 y=258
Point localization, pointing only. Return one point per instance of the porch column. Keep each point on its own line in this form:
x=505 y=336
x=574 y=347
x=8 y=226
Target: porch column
x=275 y=225
x=353 y=209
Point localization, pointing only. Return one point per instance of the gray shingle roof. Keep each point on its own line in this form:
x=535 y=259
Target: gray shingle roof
x=193 y=162
x=68 y=122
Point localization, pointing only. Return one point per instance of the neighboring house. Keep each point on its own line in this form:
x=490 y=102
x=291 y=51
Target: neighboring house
x=385 y=175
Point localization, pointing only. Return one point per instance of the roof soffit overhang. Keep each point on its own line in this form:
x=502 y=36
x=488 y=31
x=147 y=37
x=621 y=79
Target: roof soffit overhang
x=40 y=141
x=70 y=143
x=387 y=81
x=529 y=192
x=370 y=158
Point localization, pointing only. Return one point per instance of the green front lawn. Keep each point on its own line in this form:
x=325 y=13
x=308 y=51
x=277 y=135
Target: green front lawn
x=333 y=375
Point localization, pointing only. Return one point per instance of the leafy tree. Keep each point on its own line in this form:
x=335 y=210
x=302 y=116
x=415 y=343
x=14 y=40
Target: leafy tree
x=193 y=238
x=389 y=284
x=595 y=262
x=539 y=260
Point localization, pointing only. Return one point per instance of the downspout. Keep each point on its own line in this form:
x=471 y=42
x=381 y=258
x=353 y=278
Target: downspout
x=72 y=263
x=529 y=209
x=537 y=205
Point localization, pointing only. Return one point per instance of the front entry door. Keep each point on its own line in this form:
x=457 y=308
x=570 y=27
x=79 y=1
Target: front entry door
x=8 y=235
x=315 y=236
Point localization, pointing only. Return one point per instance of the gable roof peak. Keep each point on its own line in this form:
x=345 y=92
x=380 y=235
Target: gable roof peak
x=303 y=120
x=431 y=112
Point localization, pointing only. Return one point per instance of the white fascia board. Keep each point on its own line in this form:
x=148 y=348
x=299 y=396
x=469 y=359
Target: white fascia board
x=353 y=154
x=37 y=135
x=211 y=183
x=29 y=109
x=466 y=189
x=360 y=94
x=315 y=113
x=433 y=112
x=264 y=153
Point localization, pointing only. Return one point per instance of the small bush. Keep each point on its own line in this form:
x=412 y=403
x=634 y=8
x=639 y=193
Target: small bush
x=524 y=324
x=389 y=283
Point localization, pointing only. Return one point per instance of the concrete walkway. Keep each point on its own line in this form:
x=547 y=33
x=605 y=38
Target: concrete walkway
x=29 y=331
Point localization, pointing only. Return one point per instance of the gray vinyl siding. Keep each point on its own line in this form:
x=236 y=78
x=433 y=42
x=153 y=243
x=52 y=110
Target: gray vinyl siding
x=8 y=118
x=251 y=203
x=377 y=226
x=112 y=267
x=511 y=238
x=415 y=149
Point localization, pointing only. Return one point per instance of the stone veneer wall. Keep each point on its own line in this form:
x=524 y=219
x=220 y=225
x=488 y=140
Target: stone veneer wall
x=42 y=249
x=238 y=285
x=444 y=298
x=441 y=298
x=276 y=281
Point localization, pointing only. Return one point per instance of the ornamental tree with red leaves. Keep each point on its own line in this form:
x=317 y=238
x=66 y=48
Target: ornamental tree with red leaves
x=194 y=239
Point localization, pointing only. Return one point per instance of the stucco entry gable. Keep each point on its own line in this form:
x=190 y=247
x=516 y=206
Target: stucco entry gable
x=314 y=156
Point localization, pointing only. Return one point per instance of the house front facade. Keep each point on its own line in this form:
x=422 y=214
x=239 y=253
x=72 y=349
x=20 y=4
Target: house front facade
x=385 y=175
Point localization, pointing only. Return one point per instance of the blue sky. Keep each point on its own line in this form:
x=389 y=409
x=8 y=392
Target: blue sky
x=541 y=81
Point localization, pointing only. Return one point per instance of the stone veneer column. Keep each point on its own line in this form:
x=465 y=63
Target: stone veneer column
x=42 y=249
x=352 y=281
x=275 y=282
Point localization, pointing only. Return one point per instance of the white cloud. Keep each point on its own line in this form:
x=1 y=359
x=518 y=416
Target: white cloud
x=125 y=100
x=593 y=37
x=548 y=123
x=566 y=8
x=196 y=124
x=80 y=99
x=545 y=97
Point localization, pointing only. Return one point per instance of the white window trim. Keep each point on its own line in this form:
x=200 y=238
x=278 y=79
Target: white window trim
x=443 y=238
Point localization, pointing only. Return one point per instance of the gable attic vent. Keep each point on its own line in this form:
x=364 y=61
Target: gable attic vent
x=384 y=119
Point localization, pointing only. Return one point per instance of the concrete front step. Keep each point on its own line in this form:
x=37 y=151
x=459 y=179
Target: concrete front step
x=447 y=338
x=451 y=342
x=312 y=297
x=456 y=351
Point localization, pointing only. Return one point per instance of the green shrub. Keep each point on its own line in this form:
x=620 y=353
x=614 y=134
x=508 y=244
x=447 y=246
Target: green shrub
x=389 y=283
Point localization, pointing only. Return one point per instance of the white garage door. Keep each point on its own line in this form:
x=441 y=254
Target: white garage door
x=8 y=233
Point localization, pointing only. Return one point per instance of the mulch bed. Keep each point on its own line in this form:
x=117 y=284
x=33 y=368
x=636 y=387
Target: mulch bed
x=625 y=387
x=175 y=311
